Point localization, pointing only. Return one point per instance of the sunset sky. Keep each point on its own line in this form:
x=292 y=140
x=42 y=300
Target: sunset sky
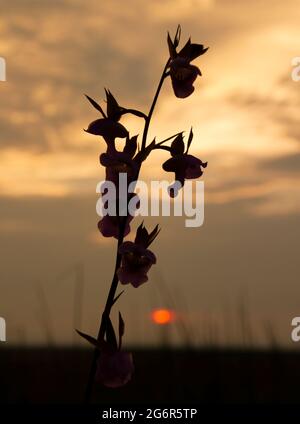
x=239 y=272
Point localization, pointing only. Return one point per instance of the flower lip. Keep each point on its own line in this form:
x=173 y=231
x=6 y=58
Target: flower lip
x=118 y=162
x=185 y=167
x=109 y=226
x=114 y=366
x=107 y=128
x=136 y=255
x=115 y=160
x=143 y=238
x=182 y=73
x=186 y=163
x=136 y=261
x=192 y=50
x=114 y=369
x=181 y=69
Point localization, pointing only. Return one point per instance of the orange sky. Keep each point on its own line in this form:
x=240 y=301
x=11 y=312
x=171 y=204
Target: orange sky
x=244 y=114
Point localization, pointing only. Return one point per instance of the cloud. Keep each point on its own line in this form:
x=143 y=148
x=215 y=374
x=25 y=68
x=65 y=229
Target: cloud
x=244 y=113
x=288 y=164
x=233 y=251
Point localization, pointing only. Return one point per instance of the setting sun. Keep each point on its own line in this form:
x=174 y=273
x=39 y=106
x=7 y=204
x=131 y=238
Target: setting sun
x=162 y=316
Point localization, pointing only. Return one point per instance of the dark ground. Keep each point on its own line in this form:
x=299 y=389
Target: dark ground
x=48 y=376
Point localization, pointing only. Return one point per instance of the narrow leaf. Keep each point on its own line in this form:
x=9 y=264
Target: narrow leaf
x=141 y=235
x=90 y=339
x=169 y=138
x=197 y=50
x=177 y=146
x=191 y=135
x=121 y=329
x=114 y=111
x=117 y=297
x=134 y=112
x=143 y=154
x=121 y=325
x=131 y=146
x=110 y=334
x=153 y=235
x=177 y=36
x=96 y=105
x=186 y=50
x=172 y=49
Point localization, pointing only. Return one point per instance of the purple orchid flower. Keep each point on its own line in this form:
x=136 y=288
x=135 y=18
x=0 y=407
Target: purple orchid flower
x=108 y=126
x=184 y=166
x=117 y=162
x=114 y=366
x=108 y=129
x=182 y=73
x=109 y=225
x=114 y=369
x=136 y=258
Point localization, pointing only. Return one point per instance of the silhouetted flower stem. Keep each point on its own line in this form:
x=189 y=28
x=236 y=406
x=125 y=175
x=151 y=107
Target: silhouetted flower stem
x=106 y=313
x=148 y=119
x=112 y=366
x=114 y=284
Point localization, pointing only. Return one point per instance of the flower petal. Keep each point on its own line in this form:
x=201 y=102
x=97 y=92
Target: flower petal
x=127 y=276
x=107 y=128
x=114 y=369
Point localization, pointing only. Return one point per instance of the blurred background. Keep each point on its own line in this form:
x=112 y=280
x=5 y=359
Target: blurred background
x=232 y=282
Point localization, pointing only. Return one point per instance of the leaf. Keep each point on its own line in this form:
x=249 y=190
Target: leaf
x=177 y=146
x=185 y=51
x=96 y=105
x=110 y=333
x=191 y=135
x=191 y=50
x=90 y=339
x=121 y=329
x=197 y=50
x=152 y=236
x=141 y=235
x=114 y=111
x=143 y=154
x=131 y=146
x=177 y=36
x=169 y=138
x=134 y=112
x=117 y=297
x=172 y=49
